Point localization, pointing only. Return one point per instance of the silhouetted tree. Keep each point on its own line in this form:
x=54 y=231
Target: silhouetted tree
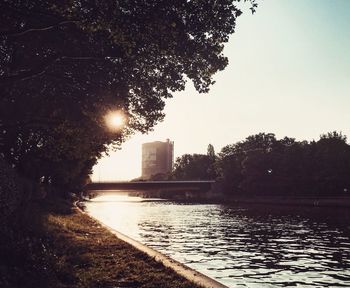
x=229 y=167
x=211 y=151
x=212 y=169
x=263 y=165
x=332 y=159
x=64 y=64
x=193 y=167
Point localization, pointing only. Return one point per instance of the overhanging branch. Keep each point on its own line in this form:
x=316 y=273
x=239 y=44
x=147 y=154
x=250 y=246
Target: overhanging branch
x=40 y=70
x=16 y=33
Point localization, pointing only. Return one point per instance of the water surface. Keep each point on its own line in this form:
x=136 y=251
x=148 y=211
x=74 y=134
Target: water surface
x=239 y=246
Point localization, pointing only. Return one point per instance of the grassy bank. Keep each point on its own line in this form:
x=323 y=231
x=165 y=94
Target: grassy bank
x=60 y=247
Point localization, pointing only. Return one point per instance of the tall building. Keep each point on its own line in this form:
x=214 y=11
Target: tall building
x=157 y=157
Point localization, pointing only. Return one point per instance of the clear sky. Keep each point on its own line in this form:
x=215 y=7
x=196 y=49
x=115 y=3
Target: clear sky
x=288 y=74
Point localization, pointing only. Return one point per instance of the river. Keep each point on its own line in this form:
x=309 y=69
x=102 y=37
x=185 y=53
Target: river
x=239 y=245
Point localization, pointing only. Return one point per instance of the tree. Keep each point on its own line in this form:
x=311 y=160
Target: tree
x=72 y=61
x=212 y=169
x=193 y=167
x=211 y=151
x=229 y=167
x=332 y=159
x=242 y=165
x=263 y=165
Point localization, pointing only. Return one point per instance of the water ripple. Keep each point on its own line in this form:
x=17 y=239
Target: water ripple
x=240 y=246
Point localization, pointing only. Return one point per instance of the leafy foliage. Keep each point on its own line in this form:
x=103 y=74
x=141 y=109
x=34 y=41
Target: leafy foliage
x=65 y=64
x=10 y=198
x=264 y=165
x=196 y=166
x=192 y=167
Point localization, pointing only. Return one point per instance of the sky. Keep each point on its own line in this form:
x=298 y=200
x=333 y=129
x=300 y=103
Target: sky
x=288 y=74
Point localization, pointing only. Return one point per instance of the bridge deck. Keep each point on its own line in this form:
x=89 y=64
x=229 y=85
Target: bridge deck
x=195 y=185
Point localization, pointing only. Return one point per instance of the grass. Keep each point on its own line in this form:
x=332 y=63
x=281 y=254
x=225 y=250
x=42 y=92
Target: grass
x=64 y=248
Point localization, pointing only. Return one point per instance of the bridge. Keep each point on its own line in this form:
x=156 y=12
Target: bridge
x=185 y=186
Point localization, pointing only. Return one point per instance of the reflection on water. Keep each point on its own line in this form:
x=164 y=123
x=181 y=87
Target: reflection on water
x=250 y=246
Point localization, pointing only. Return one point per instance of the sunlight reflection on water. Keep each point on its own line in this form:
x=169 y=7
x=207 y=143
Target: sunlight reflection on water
x=238 y=246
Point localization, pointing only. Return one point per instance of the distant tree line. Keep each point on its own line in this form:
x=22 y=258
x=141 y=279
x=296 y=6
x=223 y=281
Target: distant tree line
x=264 y=165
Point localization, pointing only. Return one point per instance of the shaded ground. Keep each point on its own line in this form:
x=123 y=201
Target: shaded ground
x=61 y=247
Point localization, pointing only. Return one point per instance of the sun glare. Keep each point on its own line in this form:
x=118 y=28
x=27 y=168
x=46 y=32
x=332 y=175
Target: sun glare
x=115 y=120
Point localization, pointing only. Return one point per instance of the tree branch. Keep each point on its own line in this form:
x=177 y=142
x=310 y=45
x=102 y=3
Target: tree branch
x=40 y=70
x=16 y=33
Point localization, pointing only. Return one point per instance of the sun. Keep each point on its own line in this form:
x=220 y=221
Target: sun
x=115 y=120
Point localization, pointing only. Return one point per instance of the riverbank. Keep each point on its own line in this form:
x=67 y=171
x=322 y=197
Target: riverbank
x=69 y=249
x=181 y=269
